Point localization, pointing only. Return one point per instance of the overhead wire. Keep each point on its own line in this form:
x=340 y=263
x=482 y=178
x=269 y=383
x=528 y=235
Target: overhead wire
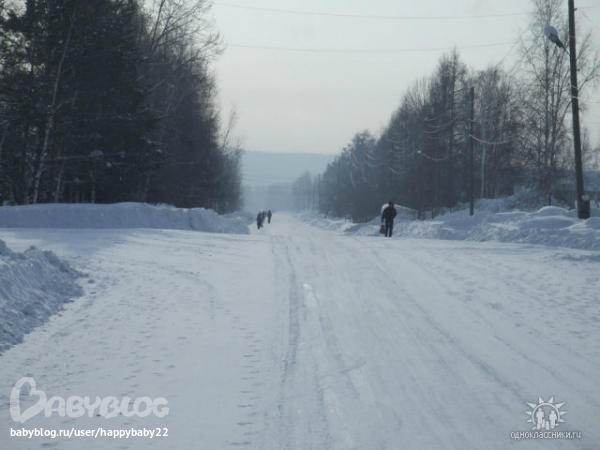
x=413 y=142
x=482 y=141
x=589 y=20
x=371 y=16
x=372 y=50
x=395 y=172
x=445 y=158
x=380 y=17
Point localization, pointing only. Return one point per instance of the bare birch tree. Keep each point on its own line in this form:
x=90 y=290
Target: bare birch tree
x=546 y=93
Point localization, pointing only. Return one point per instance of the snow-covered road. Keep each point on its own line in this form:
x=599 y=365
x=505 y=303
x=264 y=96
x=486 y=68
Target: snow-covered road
x=299 y=338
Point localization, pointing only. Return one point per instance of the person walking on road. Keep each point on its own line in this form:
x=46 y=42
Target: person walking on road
x=387 y=218
x=260 y=219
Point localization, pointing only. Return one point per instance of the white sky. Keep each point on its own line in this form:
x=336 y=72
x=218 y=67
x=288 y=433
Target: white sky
x=315 y=101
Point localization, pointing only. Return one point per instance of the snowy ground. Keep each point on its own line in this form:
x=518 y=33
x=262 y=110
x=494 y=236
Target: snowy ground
x=299 y=337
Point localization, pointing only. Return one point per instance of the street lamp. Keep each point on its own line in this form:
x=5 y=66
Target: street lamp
x=583 y=204
x=552 y=35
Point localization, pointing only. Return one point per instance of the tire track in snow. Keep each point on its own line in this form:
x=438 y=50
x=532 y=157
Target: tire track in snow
x=394 y=337
x=526 y=289
x=326 y=359
x=300 y=384
x=509 y=384
x=441 y=352
x=349 y=395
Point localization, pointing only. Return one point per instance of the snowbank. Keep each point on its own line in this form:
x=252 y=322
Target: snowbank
x=548 y=226
x=33 y=285
x=318 y=220
x=122 y=215
x=346 y=226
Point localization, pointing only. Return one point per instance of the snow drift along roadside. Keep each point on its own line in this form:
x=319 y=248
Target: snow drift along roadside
x=122 y=215
x=33 y=285
x=548 y=226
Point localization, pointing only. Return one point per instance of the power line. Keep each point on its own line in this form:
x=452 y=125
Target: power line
x=362 y=16
x=445 y=158
x=482 y=141
x=499 y=63
x=374 y=17
x=590 y=20
x=404 y=50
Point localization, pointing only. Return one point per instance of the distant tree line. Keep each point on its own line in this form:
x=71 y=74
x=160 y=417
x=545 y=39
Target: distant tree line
x=459 y=133
x=112 y=100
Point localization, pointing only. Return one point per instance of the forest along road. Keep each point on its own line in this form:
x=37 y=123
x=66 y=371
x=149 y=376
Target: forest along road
x=295 y=337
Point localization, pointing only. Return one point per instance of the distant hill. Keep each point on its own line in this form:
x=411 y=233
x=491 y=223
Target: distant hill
x=260 y=169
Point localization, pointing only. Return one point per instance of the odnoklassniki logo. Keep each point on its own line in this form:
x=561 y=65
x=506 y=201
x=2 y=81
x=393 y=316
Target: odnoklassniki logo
x=545 y=415
x=78 y=406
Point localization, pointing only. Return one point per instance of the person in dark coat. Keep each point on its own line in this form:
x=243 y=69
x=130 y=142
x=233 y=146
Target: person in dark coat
x=269 y=215
x=259 y=219
x=387 y=218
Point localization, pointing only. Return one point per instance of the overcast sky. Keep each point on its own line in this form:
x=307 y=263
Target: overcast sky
x=306 y=75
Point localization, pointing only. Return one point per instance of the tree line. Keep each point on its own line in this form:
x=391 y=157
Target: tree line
x=112 y=100
x=461 y=133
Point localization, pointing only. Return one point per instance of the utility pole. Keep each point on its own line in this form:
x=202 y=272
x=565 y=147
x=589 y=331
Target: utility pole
x=471 y=155
x=391 y=165
x=583 y=204
x=583 y=207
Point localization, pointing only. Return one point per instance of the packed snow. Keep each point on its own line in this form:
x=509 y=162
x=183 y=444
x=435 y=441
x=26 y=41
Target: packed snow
x=311 y=333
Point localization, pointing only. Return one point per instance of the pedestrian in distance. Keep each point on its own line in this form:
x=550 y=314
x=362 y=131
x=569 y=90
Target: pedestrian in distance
x=259 y=219
x=387 y=218
x=269 y=215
